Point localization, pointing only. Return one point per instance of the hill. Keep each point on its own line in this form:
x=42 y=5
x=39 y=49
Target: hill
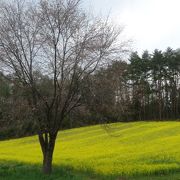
x=138 y=150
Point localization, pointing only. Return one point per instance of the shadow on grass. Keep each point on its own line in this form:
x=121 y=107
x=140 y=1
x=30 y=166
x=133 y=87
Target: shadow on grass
x=12 y=170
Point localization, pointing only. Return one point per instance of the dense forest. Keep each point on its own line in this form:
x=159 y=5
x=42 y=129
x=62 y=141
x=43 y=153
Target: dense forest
x=143 y=87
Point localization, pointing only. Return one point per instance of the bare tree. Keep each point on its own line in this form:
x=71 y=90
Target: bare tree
x=56 y=39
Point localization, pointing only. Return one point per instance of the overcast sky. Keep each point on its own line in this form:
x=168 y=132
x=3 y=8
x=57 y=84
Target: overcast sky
x=150 y=23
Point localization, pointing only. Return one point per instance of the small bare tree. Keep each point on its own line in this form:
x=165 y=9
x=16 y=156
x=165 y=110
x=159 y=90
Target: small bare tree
x=56 y=39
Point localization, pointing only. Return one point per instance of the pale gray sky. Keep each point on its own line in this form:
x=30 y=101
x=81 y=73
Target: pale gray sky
x=150 y=23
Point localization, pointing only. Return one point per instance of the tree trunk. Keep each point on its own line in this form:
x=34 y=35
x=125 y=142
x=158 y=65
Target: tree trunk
x=47 y=162
x=47 y=142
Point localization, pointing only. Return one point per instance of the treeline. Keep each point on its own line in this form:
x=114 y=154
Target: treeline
x=155 y=85
x=145 y=87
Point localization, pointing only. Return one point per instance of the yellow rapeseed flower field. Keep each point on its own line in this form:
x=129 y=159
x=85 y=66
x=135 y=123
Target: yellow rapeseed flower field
x=115 y=150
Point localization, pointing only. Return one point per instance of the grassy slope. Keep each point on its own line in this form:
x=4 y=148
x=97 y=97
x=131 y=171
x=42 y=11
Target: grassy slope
x=138 y=150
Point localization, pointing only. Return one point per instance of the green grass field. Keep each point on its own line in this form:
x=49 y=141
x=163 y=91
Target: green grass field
x=140 y=150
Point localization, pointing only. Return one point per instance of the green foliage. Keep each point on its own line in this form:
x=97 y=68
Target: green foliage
x=155 y=84
x=4 y=87
x=140 y=150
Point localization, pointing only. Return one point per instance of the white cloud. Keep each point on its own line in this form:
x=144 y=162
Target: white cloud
x=152 y=23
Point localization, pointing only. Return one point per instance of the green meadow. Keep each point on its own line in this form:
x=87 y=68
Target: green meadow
x=120 y=151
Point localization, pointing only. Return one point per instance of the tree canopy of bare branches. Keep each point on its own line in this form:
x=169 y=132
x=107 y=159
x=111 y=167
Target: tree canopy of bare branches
x=58 y=41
